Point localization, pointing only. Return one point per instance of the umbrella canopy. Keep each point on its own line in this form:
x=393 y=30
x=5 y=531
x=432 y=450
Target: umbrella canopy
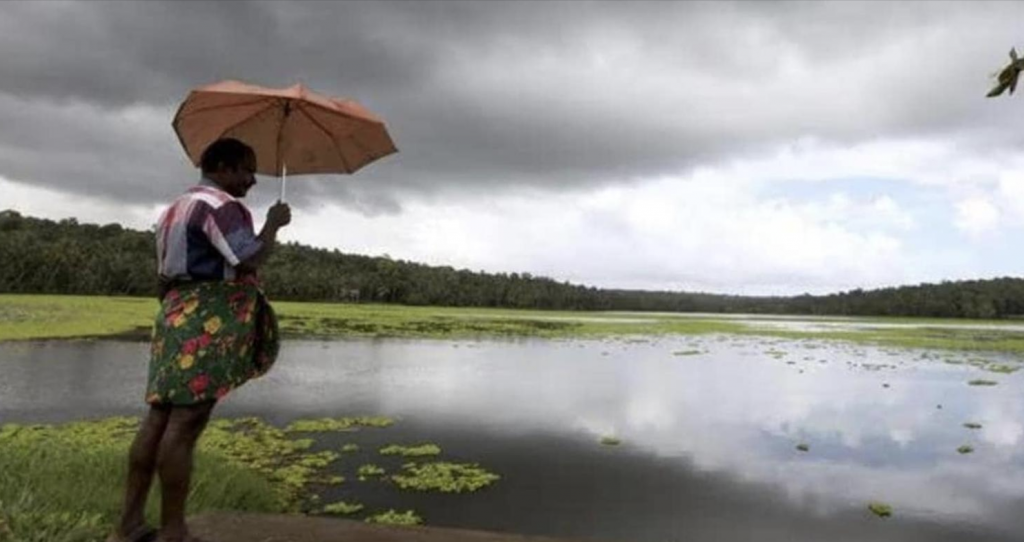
x=291 y=129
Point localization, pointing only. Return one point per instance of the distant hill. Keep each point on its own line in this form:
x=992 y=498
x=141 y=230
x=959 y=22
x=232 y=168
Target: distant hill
x=65 y=257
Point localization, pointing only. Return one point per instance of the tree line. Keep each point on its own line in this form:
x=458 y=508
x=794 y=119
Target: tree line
x=65 y=257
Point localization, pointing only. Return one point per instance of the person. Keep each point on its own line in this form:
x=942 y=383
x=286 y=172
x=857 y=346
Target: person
x=214 y=331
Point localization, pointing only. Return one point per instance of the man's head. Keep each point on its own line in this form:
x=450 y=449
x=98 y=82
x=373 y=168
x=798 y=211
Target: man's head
x=231 y=164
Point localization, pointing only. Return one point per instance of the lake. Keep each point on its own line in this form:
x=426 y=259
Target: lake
x=709 y=429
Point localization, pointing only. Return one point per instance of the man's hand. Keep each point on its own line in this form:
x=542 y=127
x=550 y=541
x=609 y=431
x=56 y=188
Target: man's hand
x=279 y=215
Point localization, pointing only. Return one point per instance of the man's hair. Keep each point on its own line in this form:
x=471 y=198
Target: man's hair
x=227 y=151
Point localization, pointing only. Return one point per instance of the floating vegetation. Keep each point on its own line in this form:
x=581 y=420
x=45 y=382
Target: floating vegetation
x=880 y=509
x=1002 y=368
x=444 y=477
x=252 y=443
x=687 y=352
x=349 y=448
x=411 y=451
x=876 y=366
x=334 y=480
x=368 y=470
x=972 y=425
x=324 y=425
x=342 y=508
x=610 y=441
x=392 y=517
x=981 y=382
x=775 y=353
x=803 y=447
x=965 y=449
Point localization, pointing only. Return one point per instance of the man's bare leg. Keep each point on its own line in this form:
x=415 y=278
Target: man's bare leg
x=141 y=467
x=174 y=464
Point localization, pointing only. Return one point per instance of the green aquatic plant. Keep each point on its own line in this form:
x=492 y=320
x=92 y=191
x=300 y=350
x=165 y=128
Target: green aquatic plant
x=687 y=352
x=254 y=444
x=965 y=449
x=391 y=517
x=980 y=382
x=368 y=470
x=444 y=477
x=342 y=508
x=610 y=441
x=334 y=480
x=803 y=447
x=1002 y=368
x=972 y=425
x=324 y=425
x=411 y=451
x=349 y=448
x=880 y=509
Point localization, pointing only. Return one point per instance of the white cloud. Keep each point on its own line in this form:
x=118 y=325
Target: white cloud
x=976 y=216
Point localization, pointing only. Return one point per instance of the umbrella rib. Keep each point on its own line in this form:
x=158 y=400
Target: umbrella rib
x=245 y=120
x=301 y=107
x=357 y=118
x=221 y=134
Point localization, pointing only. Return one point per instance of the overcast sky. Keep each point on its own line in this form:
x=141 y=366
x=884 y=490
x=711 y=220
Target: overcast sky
x=756 y=148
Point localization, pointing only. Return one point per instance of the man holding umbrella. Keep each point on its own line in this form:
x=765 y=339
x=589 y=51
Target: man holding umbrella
x=214 y=331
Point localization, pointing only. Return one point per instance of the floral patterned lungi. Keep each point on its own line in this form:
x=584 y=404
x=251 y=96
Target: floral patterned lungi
x=208 y=339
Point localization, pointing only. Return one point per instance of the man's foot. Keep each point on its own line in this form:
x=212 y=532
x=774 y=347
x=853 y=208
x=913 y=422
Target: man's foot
x=142 y=533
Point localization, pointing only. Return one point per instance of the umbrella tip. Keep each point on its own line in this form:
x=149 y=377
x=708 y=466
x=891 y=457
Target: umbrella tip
x=299 y=91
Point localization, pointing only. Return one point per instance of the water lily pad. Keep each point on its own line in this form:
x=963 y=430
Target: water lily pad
x=965 y=449
x=411 y=451
x=803 y=447
x=337 y=424
x=444 y=477
x=391 y=517
x=368 y=470
x=880 y=509
x=972 y=425
x=342 y=507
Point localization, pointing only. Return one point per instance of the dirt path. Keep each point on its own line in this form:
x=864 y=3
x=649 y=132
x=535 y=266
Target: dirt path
x=238 y=527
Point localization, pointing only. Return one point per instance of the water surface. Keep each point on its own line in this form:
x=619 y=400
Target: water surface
x=708 y=438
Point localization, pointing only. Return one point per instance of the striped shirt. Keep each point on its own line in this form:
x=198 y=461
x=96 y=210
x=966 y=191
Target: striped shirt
x=203 y=235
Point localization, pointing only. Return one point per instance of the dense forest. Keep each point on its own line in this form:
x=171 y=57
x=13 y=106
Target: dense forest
x=65 y=257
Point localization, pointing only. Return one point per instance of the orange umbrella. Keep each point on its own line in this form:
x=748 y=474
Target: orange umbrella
x=293 y=130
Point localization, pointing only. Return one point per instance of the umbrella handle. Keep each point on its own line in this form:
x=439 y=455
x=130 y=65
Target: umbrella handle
x=284 y=181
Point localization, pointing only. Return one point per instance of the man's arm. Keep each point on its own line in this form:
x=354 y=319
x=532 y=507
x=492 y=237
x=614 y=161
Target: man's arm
x=278 y=216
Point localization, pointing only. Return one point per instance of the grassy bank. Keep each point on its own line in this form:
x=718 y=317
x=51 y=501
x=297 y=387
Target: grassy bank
x=64 y=483
x=45 y=317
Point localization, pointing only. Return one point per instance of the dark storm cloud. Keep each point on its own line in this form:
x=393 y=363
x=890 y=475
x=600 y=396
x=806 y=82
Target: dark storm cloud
x=483 y=96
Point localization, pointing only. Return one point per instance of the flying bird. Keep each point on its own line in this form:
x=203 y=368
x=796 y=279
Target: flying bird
x=1008 y=76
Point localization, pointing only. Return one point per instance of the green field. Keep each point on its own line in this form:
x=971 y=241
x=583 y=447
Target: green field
x=53 y=317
